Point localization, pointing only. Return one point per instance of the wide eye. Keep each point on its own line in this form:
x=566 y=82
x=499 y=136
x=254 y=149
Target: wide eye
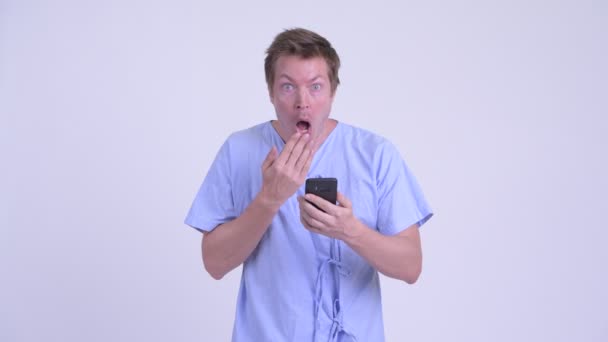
x=316 y=87
x=287 y=87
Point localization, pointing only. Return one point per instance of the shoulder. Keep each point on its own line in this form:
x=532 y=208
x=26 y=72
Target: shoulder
x=365 y=141
x=250 y=134
x=247 y=138
x=348 y=130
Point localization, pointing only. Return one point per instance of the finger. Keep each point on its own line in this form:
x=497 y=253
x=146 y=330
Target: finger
x=307 y=163
x=344 y=201
x=304 y=216
x=301 y=201
x=305 y=156
x=308 y=222
x=284 y=155
x=298 y=149
x=270 y=157
x=324 y=213
x=306 y=208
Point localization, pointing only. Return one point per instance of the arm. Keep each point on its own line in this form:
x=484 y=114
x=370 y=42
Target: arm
x=398 y=256
x=229 y=244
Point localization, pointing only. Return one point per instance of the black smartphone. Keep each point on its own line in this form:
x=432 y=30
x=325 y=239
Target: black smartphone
x=326 y=188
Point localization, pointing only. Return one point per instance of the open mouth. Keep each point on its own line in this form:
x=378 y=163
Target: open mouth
x=303 y=126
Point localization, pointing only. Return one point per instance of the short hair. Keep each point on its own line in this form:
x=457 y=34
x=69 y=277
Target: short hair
x=305 y=44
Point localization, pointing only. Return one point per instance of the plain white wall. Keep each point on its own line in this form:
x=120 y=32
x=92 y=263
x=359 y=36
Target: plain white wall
x=111 y=112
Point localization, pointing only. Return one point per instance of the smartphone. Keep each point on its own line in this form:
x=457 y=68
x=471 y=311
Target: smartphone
x=326 y=188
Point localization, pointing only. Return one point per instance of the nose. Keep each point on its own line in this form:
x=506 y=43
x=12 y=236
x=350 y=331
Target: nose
x=302 y=99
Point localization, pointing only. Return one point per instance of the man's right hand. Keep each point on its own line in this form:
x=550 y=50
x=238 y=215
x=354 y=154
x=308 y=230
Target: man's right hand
x=229 y=244
x=285 y=173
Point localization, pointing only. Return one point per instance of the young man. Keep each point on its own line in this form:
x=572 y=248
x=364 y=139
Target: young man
x=308 y=274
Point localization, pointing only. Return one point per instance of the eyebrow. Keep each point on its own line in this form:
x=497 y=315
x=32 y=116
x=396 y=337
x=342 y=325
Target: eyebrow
x=316 y=78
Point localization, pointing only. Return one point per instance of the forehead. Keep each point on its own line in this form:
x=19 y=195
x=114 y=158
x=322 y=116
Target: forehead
x=298 y=68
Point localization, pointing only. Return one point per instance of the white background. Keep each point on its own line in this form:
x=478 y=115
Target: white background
x=111 y=112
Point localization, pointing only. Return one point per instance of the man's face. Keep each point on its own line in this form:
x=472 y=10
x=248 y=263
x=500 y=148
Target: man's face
x=301 y=95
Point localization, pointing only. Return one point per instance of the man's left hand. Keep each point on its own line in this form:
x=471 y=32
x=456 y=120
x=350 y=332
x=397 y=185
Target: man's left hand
x=334 y=221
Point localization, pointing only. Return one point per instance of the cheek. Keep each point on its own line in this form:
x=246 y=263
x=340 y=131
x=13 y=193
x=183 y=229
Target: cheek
x=282 y=101
x=281 y=109
x=325 y=106
x=322 y=98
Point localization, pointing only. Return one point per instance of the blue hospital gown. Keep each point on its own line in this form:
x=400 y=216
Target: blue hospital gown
x=302 y=286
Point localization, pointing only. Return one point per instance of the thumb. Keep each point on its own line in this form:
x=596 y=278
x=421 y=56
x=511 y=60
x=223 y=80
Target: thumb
x=272 y=155
x=343 y=201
